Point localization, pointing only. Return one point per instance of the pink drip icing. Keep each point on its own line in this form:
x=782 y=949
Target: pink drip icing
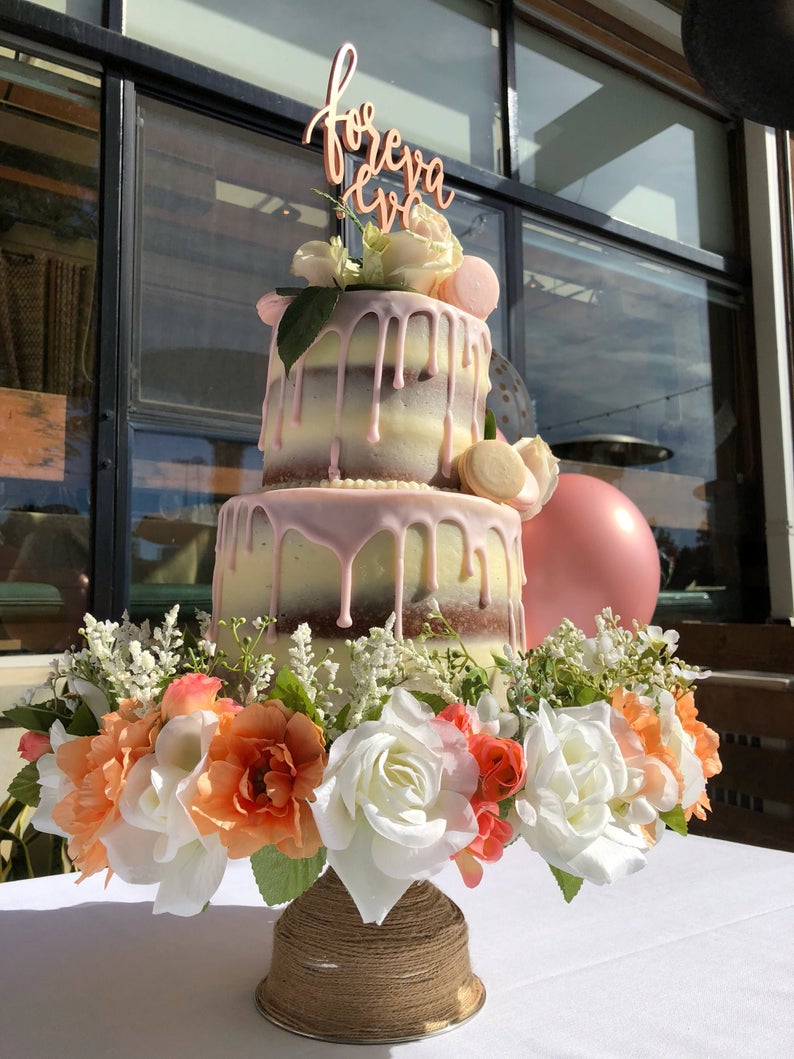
x=343 y=323
x=345 y=521
x=297 y=397
x=336 y=444
x=485 y=584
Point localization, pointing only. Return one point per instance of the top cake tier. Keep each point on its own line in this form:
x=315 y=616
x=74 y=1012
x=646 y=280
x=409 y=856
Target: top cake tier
x=393 y=389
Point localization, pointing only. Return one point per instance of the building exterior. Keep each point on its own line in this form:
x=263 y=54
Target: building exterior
x=153 y=186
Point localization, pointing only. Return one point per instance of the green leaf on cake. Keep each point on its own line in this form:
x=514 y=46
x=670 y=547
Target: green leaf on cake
x=281 y=878
x=569 y=884
x=489 y=429
x=25 y=785
x=303 y=320
x=675 y=820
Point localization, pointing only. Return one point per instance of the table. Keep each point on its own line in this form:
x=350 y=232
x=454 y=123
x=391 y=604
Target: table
x=693 y=957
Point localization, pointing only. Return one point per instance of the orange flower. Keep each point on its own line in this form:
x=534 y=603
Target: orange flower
x=263 y=766
x=646 y=725
x=195 y=691
x=488 y=846
x=98 y=766
x=502 y=767
x=707 y=744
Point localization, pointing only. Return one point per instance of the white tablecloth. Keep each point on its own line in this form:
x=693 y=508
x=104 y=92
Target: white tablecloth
x=691 y=958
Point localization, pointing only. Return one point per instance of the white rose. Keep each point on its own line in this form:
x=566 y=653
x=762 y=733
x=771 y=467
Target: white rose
x=682 y=744
x=325 y=264
x=155 y=839
x=54 y=783
x=577 y=784
x=543 y=466
x=419 y=257
x=394 y=805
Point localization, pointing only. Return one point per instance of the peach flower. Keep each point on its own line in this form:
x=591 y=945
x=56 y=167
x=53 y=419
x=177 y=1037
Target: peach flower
x=488 y=846
x=646 y=725
x=263 y=766
x=706 y=746
x=98 y=766
x=502 y=767
x=192 y=692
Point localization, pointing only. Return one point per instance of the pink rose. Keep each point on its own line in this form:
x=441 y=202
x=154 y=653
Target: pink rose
x=33 y=744
x=195 y=691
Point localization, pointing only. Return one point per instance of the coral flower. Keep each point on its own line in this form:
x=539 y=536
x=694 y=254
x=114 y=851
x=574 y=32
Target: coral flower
x=644 y=722
x=33 y=744
x=98 y=767
x=192 y=692
x=502 y=767
x=706 y=747
x=488 y=846
x=263 y=766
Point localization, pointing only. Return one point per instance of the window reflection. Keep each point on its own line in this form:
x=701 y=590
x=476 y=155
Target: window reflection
x=48 y=230
x=661 y=166
x=633 y=375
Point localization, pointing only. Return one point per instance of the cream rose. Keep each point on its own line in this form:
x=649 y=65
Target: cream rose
x=577 y=785
x=394 y=805
x=155 y=839
x=325 y=264
x=543 y=466
x=419 y=257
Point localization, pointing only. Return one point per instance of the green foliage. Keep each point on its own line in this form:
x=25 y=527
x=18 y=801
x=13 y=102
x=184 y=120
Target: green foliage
x=24 y=787
x=303 y=320
x=281 y=878
x=39 y=717
x=675 y=820
x=289 y=690
x=569 y=884
x=429 y=698
x=474 y=684
x=489 y=429
x=83 y=721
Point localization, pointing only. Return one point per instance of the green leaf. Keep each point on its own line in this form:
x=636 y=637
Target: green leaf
x=569 y=884
x=38 y=718
x=303 y=320
x=489 y=429
x=281 y=878
x=289 y=690
x=675 y=820
x=25 y=785
x=289 y=292
x=435 y=702
x=83 y=722
x=474 y=684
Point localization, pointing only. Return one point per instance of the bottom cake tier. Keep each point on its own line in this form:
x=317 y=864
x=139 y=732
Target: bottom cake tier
x=344 y=559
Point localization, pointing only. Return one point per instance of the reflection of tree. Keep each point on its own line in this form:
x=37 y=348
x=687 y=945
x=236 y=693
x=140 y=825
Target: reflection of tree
x=685 y=565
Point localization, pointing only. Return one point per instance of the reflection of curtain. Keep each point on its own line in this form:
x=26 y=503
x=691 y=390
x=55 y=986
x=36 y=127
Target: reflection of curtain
x=46 y=331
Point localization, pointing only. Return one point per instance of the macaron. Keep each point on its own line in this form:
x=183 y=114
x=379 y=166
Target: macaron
x=474 y=288
x=492 y=469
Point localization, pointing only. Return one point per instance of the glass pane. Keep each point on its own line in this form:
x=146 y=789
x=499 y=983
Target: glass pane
x=48 y=241
x=87 y=10
x=634 y=378
x=601 y=138
x=429 y=66
x=178 y=485
x=222 y=211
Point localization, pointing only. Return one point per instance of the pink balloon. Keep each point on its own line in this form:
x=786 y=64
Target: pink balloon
x=589 y=548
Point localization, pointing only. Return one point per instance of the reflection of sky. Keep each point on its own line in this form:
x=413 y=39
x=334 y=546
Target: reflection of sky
x=629 y=355
x=600 y=138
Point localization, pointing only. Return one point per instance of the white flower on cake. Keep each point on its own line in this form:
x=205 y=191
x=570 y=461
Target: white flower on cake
x=54 y=784
x=419 y=257
x=542 y=464
x=326 y=264
x=155 y=839
x=577 y=783
x=394 y=804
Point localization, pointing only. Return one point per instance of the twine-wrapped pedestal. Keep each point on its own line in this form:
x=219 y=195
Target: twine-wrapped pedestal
x=338 y=979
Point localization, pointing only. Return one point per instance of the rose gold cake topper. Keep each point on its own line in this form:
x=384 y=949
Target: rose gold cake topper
x=384 y=153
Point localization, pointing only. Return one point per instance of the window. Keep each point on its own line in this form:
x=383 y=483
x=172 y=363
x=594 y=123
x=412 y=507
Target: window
x=431 y=64
x=599 y=137
x=48 y=238
x=634 y=375
x=220 y=213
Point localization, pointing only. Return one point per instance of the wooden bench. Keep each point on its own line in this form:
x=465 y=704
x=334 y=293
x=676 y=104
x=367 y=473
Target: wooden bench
x=749 y=700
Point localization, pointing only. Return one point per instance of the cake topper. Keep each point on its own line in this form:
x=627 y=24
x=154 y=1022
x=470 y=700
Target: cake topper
x=350 y=130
